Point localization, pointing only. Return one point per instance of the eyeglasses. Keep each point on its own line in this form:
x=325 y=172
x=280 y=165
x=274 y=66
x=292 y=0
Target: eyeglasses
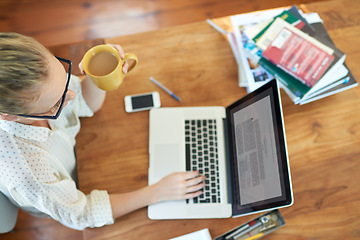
x=60 y=103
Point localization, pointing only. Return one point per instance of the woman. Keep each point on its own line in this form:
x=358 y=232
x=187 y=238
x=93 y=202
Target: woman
x=37 y=134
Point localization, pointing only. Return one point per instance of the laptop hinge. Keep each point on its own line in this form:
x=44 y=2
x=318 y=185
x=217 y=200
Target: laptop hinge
x=227 y=158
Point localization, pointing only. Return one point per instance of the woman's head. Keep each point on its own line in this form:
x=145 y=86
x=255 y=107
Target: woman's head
x=23 y=67
x=32 y=80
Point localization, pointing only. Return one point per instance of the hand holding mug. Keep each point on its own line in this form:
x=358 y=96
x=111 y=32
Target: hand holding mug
x=107 y=65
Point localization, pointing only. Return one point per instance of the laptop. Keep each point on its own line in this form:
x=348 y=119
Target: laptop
x=241 y=149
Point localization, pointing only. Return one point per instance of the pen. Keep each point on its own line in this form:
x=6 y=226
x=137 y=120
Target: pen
x=217 y=28
x=256 y=225
x=164 y=88
x=240 y=230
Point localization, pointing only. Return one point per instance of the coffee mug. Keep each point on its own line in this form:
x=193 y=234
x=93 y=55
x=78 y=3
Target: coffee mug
x=103 y=65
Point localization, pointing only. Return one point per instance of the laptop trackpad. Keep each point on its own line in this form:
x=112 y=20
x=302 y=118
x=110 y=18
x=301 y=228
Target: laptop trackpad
x=166 y=159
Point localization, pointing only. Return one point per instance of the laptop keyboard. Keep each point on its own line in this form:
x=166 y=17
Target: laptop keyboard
x=202 y=155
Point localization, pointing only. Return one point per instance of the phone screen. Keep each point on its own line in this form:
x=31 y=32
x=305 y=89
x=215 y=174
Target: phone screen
x=143 y=101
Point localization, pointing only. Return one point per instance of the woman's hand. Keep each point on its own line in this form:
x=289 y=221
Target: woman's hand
x=180 y=185
x=122 y=55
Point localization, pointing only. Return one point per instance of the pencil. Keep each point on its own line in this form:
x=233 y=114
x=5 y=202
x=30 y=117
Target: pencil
x=255 y=236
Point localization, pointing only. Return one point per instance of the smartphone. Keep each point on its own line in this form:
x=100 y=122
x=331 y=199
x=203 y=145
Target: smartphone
x=141 y=102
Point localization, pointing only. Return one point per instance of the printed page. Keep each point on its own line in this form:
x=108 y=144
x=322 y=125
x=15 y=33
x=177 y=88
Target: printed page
x=251 y=75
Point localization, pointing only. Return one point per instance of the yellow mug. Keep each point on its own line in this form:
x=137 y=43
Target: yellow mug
x=103 y=65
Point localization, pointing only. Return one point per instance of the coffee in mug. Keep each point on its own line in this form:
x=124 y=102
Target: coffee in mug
x=102 y=64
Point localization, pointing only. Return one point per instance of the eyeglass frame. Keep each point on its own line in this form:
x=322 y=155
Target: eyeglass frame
x=57 y=114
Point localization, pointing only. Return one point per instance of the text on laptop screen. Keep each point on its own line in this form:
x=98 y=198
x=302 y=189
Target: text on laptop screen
x=258 y=152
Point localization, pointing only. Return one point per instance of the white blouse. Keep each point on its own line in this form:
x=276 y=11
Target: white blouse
x=37 y=166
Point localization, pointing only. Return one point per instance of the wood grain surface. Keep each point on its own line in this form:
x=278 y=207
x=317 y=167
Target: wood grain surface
x=196 y=62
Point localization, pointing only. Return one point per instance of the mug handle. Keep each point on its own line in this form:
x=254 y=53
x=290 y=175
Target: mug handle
x=132 y=57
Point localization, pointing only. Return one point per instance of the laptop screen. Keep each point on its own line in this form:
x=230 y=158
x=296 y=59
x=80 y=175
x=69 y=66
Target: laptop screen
x=257 y=152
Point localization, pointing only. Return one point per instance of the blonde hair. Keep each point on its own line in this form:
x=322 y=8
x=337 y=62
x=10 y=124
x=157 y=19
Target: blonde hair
x=23 y=68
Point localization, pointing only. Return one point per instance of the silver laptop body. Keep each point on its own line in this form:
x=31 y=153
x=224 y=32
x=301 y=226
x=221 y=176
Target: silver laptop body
x=167 y=155
x=252 y=173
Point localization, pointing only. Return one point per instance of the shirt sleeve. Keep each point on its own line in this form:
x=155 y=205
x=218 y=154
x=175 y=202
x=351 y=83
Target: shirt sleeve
x=79 y=104
x=65 y=204
x=37 y=187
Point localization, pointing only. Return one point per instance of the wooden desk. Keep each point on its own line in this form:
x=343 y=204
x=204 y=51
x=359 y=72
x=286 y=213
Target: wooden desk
x=196 y=62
